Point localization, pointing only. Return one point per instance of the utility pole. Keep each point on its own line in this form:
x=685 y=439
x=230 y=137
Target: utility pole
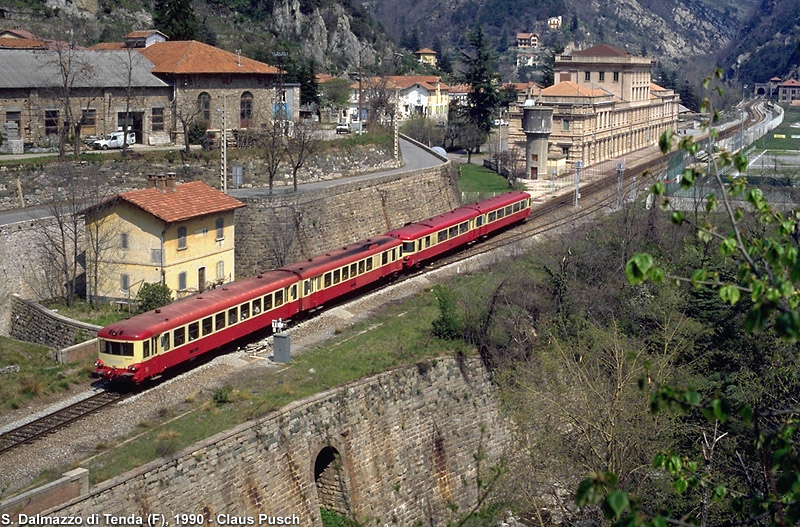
x=741 y=125
x=223 y=177
x=360 y=94
x=578 y=167
x=620 y=170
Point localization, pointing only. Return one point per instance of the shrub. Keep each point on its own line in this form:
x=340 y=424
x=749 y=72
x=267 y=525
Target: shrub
x=152 y=296
x=447 y=326
x=197 y=132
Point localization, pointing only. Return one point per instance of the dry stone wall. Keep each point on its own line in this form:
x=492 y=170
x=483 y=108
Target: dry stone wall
x=405 y=439
x=32 y=322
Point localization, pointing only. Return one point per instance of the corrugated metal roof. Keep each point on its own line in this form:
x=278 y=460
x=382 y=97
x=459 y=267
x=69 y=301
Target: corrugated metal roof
x=39 y=68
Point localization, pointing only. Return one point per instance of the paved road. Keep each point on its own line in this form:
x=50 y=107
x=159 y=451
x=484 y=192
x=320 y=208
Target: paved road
x=414 y=156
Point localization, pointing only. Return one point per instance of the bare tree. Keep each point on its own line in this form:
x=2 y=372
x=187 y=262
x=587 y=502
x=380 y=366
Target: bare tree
x=380 y=97
x=73 y=66
x=273 y=140
x=301 y=145
x=186 y=111
x=102 y=237
x=283 y=232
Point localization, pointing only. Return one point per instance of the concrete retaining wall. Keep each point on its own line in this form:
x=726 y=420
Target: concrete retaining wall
x=71 y=485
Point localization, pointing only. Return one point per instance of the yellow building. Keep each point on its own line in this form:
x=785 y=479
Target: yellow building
x=426 y=56
x=181 y=235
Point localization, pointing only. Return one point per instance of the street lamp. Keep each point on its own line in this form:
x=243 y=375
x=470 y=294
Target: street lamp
x=741 y=125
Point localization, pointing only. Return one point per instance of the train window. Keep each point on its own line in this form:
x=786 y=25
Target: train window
x=293 y=292
x=207 y=327
x=427 y=241
x=420 y=246
x=453 y=232
x=233 y=316
x=165 y=341
x=327 y=281
x=442 y=236
x=279 y=298
x=345 y=273
x=385 y=258
x=508 y=210
x=361 y=267
x=268 y=302
x=256 y=306
x=245 y=311
x=517 y=205
x=353 y=270
x=219 y=320
x=146 y=349
x=492 y=216
x=179 y=336
x=194 y=331
x=479 y=221
x=127 y=349
x=337 y=276
x=369 y=263
x=527 y=202
x=307 y=288
x=394 y=254
x=464 y=227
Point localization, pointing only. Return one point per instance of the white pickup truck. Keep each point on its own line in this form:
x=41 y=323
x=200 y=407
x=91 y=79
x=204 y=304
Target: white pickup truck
x=113 y=140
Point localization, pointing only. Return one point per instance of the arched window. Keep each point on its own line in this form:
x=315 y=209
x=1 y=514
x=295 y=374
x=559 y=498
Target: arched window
x=204 y=109
x=245 y=110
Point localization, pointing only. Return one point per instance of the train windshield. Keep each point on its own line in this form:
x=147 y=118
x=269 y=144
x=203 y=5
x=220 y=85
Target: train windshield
x=408 y=247
x=124 y=349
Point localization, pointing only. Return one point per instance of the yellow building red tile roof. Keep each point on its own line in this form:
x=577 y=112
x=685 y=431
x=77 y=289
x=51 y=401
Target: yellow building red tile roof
x=192 y=57
x=187 y=200
x=425 y=51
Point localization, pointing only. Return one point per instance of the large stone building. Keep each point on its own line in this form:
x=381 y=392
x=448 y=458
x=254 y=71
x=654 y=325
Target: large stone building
x=158 y=87
x=605 y=105
x=178 y=235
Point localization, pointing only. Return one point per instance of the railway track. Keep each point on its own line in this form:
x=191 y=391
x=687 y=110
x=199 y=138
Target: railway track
x=50 y=423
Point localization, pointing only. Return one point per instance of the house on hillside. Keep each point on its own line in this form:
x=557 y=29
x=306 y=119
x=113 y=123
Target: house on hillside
x=405 y=95
x=181 y=235
x=789 y=91
x=426 y=56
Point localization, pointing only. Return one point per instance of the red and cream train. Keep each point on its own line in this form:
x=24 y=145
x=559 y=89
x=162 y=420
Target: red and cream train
x=145 y=345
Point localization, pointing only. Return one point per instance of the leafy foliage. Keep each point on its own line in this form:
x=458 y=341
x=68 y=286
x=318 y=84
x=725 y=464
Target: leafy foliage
x=152 y=296
x=176 y=19
x=447 y=326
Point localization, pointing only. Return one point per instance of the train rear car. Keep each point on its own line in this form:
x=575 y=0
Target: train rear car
x=501 y=211
x=146 y=345
x=342 y=271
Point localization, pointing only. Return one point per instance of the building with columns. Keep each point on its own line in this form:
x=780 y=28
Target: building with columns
x=605 y=105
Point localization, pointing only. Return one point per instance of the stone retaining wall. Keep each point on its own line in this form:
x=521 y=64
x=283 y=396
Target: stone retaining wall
x=406 y=441
x=32 y=322
x=279 y=229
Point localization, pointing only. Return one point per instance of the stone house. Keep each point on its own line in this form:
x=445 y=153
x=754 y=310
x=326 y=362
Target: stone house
x=172 y=84
x=181 y=235
x=789 y=91
x=99 y=85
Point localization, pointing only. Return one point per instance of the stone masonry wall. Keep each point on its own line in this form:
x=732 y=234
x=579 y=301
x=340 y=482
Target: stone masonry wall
x=32 y=322
x=275 y=230
x=406 y=440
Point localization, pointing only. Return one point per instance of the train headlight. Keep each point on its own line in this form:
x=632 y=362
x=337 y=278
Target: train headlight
x=98 y=363
x=133 y=368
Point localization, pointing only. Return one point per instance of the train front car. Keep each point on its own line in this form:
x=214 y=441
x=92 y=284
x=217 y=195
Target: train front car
x=146 y=345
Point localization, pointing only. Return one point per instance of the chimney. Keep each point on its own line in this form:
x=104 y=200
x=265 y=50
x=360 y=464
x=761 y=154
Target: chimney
x=171 y=176
x=151 y=181
x=161 y=182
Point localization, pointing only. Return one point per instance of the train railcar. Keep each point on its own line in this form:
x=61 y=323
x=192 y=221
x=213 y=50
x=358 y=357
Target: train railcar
x=145 y=345
x=342 y=271
x=430 y=238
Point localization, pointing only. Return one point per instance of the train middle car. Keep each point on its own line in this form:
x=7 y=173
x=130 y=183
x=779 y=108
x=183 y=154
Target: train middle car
x=430 y=238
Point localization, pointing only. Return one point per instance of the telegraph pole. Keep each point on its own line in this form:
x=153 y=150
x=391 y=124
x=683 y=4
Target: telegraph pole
x=620 y=170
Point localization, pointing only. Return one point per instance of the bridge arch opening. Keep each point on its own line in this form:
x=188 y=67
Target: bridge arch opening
x=330 y=480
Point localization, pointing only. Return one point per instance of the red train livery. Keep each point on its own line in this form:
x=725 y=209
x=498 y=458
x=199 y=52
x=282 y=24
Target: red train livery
x=146 y=345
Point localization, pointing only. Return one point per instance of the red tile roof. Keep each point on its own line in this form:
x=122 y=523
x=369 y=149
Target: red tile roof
x=192 y=57
x=425 y=51
x=188 y=200
x=108 y=46
x=571 y=89
x=143 y=33
x=21 y=43
x=601 y=50
x=790 y=83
